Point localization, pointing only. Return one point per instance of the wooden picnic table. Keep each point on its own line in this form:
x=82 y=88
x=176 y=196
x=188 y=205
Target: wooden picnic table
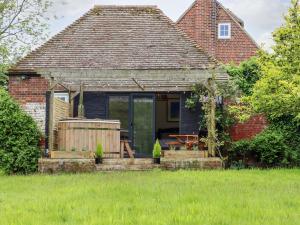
x=187 y=140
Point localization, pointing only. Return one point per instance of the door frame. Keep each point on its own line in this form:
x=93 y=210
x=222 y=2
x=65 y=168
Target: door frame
x=141 y=95
x=131 y=97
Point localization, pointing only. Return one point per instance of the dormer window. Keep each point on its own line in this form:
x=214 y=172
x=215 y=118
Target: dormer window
x=224 y=31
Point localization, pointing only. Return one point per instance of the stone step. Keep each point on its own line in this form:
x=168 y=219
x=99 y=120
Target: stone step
x=127 y=162
x=116 y=167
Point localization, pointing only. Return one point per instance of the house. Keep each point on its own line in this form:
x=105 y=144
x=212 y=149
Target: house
x=222 y=35
x=134 y=65
x=218 y=31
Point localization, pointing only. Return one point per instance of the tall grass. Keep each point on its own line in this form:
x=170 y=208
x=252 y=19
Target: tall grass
x=157 y=197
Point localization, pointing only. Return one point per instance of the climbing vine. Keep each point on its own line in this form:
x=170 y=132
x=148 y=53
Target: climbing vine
x=216 y=120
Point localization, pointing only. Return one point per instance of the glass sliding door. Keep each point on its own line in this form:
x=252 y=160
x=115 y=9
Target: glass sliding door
x=118 y=109
x=143 y=125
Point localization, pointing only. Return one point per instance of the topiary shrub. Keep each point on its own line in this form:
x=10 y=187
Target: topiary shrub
x=99 y=151
x=157 y=149
x=19 y=138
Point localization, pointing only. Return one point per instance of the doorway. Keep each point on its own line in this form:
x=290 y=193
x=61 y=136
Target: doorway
x=167 y=117
x=136 y=113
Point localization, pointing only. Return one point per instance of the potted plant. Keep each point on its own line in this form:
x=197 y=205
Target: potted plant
x=99 y=154
x=156 y=152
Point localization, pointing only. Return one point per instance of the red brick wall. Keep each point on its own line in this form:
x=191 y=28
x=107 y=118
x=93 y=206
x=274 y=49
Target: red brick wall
x=248 y=129
x=201 y=24
x=237 y=49
x=29 y=90
x=31 y=94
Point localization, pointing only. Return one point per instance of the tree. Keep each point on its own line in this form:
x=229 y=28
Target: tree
x=276 y=94
x=3 y=76
x=23 y=25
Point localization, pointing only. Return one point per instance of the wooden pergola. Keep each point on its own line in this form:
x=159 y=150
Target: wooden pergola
x=76 y=81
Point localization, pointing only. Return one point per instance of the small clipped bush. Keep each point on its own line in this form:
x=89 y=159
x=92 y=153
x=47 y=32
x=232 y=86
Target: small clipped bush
x=19 y=138
x=156 y=149
x=99 y=151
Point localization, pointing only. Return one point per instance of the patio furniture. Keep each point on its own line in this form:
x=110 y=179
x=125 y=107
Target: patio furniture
x=126 y=147
x=184 y=140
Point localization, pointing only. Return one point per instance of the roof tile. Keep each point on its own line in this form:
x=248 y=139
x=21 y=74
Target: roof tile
x=119 y=37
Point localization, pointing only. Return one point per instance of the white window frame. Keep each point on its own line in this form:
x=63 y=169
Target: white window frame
x=229 y=31
x=64 y=96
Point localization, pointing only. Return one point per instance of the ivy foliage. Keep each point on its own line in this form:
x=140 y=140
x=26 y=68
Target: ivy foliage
x=19 y=138
x=245 y=75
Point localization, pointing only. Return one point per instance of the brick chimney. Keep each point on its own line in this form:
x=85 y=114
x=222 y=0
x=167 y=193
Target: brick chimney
x=206 y=25
x=199 y=22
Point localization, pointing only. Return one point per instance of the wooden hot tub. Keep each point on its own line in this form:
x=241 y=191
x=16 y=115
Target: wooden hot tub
x=85 y=135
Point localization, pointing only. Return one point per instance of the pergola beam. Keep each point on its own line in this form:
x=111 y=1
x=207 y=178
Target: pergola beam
x=180 y=74
x=131 y=80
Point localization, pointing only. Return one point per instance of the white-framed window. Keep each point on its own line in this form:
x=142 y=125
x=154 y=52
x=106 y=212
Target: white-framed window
x=224 y=31
x=62 y=96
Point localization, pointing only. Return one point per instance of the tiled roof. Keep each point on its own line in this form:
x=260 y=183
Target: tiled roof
x=118 y=37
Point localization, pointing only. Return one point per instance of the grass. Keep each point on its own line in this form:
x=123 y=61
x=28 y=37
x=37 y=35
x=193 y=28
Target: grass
x=156 y=197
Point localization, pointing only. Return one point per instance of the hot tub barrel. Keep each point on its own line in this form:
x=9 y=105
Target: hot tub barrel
x=85 y=135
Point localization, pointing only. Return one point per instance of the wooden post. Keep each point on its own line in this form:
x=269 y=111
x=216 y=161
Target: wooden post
x=71 y=104
x=122 y=149
x=213 y=126
x=211 y=123
x=51 y=112
x=80 y=105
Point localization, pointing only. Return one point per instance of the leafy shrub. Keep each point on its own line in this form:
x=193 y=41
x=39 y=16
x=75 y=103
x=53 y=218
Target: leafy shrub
x=19 y=138
x=239 y=153
x=271 y=148
x=277 y=146
x=99 y=151
x=245 y=75
x=157 y=149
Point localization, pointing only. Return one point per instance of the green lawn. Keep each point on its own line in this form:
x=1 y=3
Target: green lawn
x=156 y=197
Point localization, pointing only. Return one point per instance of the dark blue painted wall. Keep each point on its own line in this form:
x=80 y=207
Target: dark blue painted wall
x=95 y=104
x=189 y=119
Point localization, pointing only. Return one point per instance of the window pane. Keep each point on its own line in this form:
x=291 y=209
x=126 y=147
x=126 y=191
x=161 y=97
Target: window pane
x=224 y=30
x=118 y=110
x=62 y=96
x=143 y=125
